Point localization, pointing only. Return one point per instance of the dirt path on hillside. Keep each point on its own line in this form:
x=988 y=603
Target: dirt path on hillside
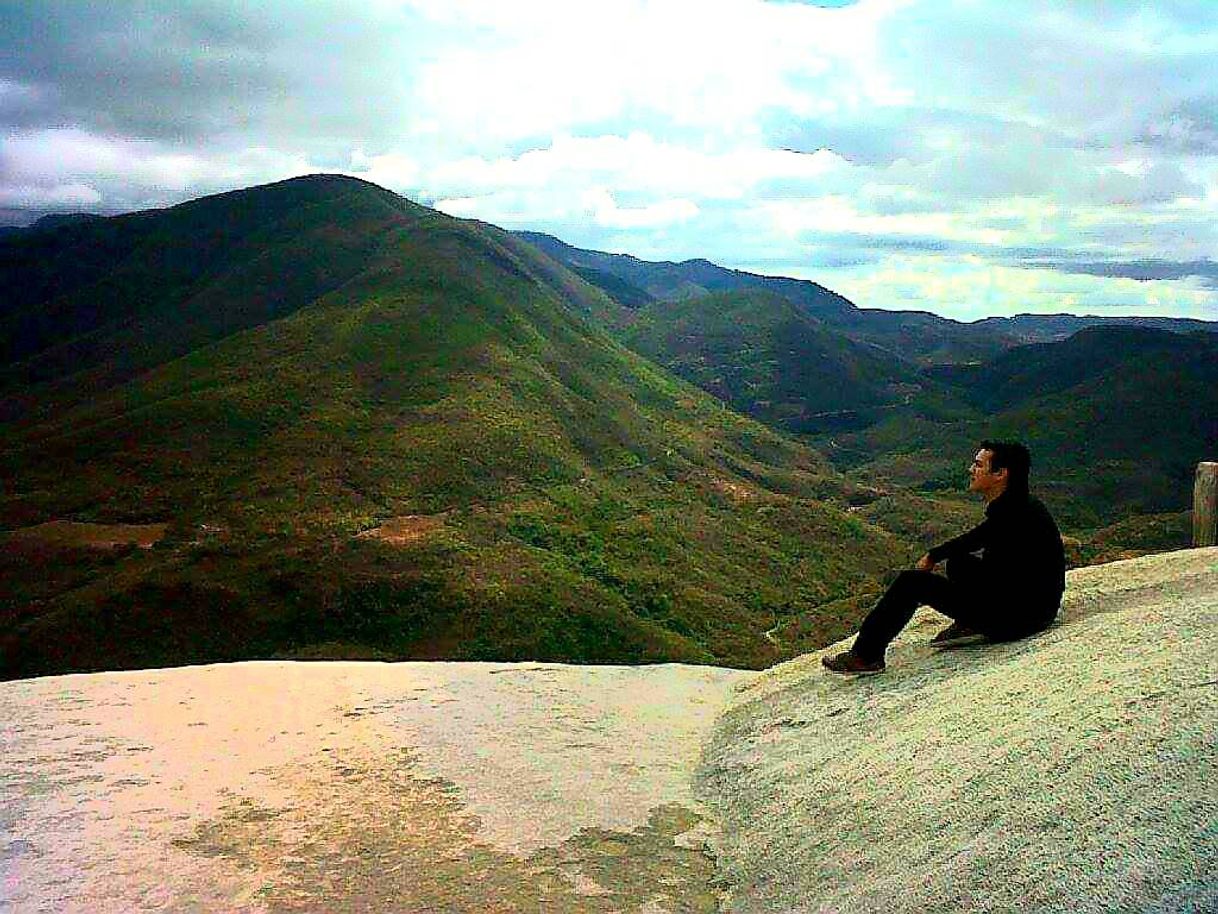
x=60 y=534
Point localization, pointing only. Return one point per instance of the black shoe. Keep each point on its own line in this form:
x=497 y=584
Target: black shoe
x=850 y=662
x=955 y=635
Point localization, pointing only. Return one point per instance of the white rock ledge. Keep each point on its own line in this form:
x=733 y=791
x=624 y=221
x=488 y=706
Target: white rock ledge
x=1075 y=771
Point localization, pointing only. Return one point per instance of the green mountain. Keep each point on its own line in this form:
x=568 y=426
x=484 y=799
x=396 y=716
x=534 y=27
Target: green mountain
x=1118 y=409
x=917 y=337
x=1051 y=328
x=634 y=282
x=374 y=430
x=1117 y=420
x=87 y=303
x=1096 y=354
x=768 y=358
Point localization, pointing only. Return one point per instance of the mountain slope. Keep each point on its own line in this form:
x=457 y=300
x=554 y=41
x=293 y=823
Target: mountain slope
x=1092 y=355
x=643 y=280
x=764 y=355
x=914 y=336
x=104 y=299
x=1116 y=418
x=438 y=456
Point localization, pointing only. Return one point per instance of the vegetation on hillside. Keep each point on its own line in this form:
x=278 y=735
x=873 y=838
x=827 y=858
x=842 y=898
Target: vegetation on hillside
x=768 y=358
x=1117 y=415
x=1117 y=420
x=581 y=504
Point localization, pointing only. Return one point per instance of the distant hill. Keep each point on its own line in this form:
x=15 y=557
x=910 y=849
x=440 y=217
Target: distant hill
x=1117 y=419
x=913 y=336
x=768 y=358
x=689 y=279
x=375 y=430
x=1045 y=328
x=49 y=221
x=917 y=336
x=1091 y=354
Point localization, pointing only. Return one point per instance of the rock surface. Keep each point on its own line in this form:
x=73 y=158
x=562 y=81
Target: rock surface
x=358 y=787
x=1075 y=771
x=1069 y=772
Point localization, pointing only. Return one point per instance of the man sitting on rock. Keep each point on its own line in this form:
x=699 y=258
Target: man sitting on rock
x=1013 y=590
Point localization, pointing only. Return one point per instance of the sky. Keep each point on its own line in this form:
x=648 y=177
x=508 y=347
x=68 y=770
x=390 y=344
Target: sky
x=969 y=158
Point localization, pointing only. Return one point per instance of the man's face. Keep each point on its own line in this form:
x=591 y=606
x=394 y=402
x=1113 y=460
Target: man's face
x=982 y=479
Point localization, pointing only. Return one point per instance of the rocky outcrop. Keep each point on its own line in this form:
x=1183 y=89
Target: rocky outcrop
x=1073 y=771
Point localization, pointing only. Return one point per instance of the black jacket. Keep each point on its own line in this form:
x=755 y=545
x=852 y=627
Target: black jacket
x=1021 y=550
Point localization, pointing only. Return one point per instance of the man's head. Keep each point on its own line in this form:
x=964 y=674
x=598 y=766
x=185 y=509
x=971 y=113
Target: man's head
x=999 y=466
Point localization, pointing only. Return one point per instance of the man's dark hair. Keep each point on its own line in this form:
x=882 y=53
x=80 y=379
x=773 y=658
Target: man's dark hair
x=1012 y=457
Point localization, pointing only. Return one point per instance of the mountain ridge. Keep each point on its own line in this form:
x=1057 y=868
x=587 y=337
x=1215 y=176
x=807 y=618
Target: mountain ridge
x=919 y=333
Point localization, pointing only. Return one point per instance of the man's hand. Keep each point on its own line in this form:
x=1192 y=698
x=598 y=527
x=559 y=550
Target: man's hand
x=926 y=563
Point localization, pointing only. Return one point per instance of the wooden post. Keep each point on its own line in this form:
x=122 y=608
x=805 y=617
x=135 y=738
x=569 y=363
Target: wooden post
x=1205 y=505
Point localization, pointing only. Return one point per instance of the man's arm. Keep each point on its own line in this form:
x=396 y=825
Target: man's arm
x=975 y=539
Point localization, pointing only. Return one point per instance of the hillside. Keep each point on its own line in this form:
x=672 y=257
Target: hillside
x=913 y=337
x=634 y=282
x=1071 y=772
x=768 y=358
x=370 y=430
x=1092 y=355
x=88 y=303
x=1117 y=420
x=1117 y=411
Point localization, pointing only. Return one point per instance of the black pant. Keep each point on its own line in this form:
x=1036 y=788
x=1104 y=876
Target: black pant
x=965 y=595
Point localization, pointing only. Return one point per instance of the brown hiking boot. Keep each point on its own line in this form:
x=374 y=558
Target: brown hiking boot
x=956 y=634
x=850 y=662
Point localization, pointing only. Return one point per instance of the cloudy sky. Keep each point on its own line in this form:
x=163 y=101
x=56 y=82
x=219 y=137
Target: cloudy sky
x=967 y=158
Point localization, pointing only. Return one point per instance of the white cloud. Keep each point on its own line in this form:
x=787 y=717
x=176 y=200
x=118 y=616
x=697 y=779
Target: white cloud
x=606 y=211
x=927 y=131
x=45 y=162
x=50 y=156
x=520 y=69
x=633 y=164
x=389 y=170
x=970 y=288
x=68 y=196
